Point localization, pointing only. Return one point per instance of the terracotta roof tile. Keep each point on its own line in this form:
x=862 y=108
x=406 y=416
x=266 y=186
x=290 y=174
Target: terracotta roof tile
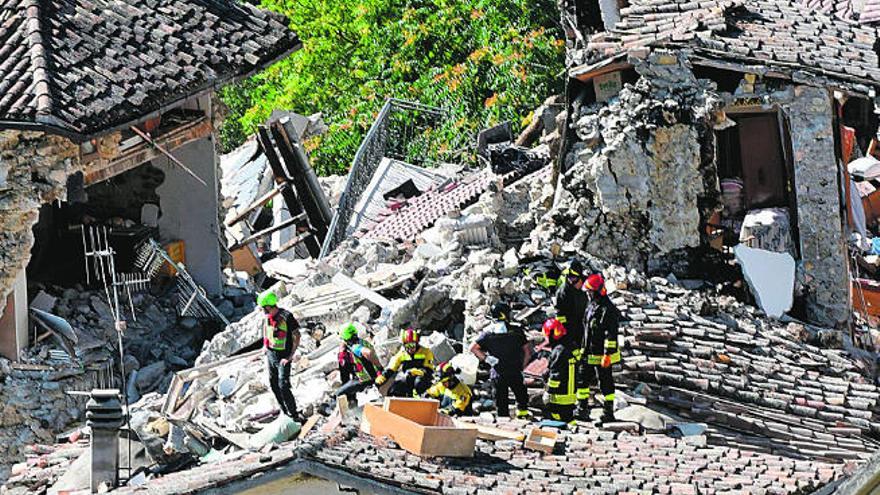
x=84 y=66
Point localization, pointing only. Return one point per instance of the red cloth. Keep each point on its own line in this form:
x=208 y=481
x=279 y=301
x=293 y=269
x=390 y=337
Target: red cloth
x=847 y=142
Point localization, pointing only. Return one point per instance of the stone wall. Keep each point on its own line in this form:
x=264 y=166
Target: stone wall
x=35 y=167
x=641 y=176
x=823 y=250
x=634 y=185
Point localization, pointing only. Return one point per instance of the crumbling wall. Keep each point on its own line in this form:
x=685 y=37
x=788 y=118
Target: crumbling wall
x=33 y=170
x=634 y=178
x=823 y=249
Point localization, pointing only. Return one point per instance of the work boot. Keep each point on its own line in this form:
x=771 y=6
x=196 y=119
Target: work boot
x=608 y=413
x=523 y=414
x=583 y=410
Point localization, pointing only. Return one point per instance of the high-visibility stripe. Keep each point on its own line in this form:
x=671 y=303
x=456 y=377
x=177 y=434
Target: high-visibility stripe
x=583 y=393
x=609 y=397
x=562 y=319
x=563 y=399
x=552 y=383
x=419 y=356
x=597 y=358
x=611 y=344
x=571 y=363
x=555 y=416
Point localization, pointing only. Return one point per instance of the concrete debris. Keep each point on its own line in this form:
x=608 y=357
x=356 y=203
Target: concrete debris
x=770 y=277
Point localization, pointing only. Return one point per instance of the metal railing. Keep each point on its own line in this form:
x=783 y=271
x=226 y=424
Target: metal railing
x=402 y=131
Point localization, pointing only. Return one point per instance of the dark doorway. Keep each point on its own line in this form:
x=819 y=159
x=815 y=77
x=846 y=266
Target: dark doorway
x=752 y=151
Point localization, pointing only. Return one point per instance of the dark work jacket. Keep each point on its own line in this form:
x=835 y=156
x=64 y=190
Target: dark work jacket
x=561 y=381
x=571 y=304
x=602 y=321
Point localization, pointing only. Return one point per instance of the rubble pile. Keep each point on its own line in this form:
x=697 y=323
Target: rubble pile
x=44 y=465
x=630 y=153
x=773 y=383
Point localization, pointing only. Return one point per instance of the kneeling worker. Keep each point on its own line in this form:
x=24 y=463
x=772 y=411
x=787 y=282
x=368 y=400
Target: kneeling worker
x=358 y=364
x=454 y=394
x=416 y=364
x=559 y=396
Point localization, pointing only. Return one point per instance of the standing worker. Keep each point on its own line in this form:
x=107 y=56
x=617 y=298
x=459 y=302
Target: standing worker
x=416 y=363
x=601 y=320
x=358 y=364
x=280 y=340
x=507 y=352
x=559 y=396
x=454 y=394
x=571 y=305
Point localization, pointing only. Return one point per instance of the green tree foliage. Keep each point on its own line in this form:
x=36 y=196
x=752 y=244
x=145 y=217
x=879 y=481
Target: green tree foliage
x=485 y=61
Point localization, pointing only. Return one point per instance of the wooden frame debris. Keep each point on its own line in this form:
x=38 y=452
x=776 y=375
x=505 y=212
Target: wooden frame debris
x=541 y=440
x=418 y=427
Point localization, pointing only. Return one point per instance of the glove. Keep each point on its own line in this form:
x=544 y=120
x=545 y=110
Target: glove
x=380 y=380
x=417 y=372
x=491 y=360
x=606 y=361
x=446 y=411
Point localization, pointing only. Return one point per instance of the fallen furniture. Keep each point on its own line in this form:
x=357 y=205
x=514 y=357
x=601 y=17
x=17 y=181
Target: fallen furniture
x=418 y=426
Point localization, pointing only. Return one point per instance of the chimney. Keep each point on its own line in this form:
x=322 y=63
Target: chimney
x=104 y=417
x=610 y=13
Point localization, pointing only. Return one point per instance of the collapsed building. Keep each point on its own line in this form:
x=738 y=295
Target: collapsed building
x=698 y=126
x=108 y=122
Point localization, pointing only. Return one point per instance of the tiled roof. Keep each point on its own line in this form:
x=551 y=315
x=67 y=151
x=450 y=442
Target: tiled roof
x=85 y=66
x=405 y=221
x=779 y=33
x=866 y=12
x=593 y=461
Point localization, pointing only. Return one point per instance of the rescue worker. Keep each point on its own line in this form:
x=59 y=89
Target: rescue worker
x=416 y=364
x=454 y=394
x=601 y=321
x=280 y=341
x=359 y=365
x=559 y=396
x=507 y=352
x=571 y=305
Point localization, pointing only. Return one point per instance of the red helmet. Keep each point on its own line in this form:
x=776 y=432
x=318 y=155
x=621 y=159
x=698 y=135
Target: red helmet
x=596 y=283
x=554 y=329
x=409 y=336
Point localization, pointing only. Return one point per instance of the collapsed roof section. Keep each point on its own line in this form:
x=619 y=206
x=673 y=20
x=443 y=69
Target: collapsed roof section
x=780 y=37
x=82 y=68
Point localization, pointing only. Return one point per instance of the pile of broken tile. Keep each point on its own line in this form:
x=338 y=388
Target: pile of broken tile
x=754 y=376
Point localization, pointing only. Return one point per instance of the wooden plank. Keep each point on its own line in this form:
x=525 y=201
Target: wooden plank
x=421 y=411
x=309 y=424
x=269 y=230
x=256 y=204
x=491 y=433
x=99 y=170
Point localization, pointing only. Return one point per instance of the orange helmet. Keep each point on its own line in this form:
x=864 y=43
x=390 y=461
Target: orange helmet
x=596 y=283
x=554 y=329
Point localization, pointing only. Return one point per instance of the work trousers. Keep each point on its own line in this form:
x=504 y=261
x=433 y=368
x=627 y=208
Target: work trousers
x=279 y=381
x=559 y=412
x=351 y=388
x=502 y=399
x=407 y=385
x=604 y=376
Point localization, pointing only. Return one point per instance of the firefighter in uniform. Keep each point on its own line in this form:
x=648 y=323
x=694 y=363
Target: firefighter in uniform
x=559 y=396
x=280 y=340
x=358 y=364
x=454 y=395
x=571 y=305
x=601 y=321
x=416 y=364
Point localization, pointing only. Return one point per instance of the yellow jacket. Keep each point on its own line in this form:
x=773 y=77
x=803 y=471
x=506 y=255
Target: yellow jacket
x=459 y=395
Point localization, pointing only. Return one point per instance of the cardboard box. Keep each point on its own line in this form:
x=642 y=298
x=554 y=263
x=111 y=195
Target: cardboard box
x=541 y=440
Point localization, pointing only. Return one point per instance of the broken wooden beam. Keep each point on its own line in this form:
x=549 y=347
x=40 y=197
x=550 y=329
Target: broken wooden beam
x=146 y=137
x=294 y=206
x=269 y=230
x=242 y=214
